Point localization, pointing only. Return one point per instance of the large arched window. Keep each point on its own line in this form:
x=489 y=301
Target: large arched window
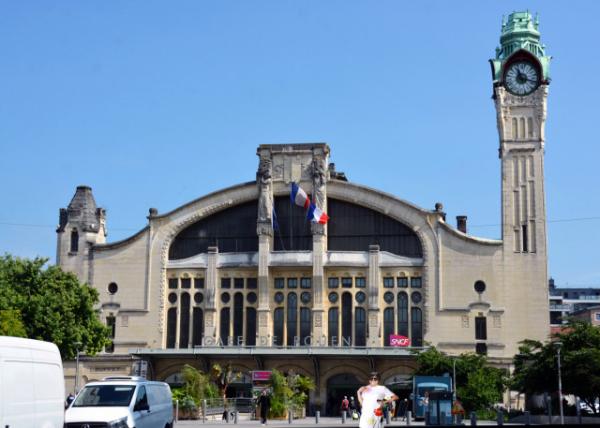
x=305 y=326
x=388 y=325
x=171 y=327
x=403 y=314
x=278 y=327
x=292 y=318
x=353 y=228
x=250 y=327
x=198 y=327
x=346 y=319
x=293 y=233
x=231 y=230
x=184 y=323
x=238 y=318
x=416 y=316
x=224 y=330
x=333 y=332
x=360 y=327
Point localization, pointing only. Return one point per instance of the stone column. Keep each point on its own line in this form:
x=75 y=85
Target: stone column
x=318 y=254
x=210 y=306
x=373 y=338
x=265 y=238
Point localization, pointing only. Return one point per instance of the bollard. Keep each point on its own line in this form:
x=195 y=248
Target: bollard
x=290 y=416
x=343 y=416
x=578 y=408
x=387 y=417
x=235 y=416
x=317 y=416
x=549 y=408
x=226 y=413
x=442 y=420
x=204 y=411
x=500 y=418
x=527 y=418
x=176 y=410
x=408 y=416
x=473 y=419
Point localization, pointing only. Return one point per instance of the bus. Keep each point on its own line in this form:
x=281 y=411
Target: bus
x=422 y=387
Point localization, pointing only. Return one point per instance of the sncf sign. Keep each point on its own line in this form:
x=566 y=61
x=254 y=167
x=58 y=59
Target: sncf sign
x=397 y=340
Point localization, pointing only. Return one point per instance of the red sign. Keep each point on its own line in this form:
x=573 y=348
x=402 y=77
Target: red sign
x=397 y=340
x=261 y=375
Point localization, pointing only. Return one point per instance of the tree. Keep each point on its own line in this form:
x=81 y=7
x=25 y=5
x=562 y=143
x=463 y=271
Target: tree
x=223 y=376
x=536 y=368
x=49 y=304
x=478 y=385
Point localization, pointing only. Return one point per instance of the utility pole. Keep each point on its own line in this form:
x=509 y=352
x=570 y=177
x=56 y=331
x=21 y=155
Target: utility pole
x=560 y=396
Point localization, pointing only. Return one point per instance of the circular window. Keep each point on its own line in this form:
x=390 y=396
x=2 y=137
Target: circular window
x=479 y=286
x=388 y=297
x=305 y=297
x=251 y=297
x=113 y=288
x=198 y=297
x=333 y=297
x=360 y=297
x=172 y=297
x=416 y=297
x=225 y=297
x=279 y=297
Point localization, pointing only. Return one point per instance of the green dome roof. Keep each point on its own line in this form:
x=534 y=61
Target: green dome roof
x=520 y=32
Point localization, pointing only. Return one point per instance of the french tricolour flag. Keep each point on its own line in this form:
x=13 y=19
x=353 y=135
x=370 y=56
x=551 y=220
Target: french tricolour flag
x=299 y=196
x=316 y=215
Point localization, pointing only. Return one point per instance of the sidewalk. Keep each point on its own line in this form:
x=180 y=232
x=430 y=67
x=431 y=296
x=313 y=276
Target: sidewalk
x=324 y=422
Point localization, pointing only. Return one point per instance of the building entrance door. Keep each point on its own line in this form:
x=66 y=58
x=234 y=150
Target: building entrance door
x=339 y=386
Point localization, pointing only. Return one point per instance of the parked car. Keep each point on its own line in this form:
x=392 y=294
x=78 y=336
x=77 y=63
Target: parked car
x=122 y=402
x=32 y=386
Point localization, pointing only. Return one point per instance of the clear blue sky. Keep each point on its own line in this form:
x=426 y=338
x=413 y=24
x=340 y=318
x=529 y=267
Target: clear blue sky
x=154 y=104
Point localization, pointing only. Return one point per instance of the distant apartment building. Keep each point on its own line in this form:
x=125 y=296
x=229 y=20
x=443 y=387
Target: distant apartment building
x=578 y=302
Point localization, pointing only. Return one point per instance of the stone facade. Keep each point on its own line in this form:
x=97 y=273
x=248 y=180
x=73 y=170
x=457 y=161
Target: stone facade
x=461 y=293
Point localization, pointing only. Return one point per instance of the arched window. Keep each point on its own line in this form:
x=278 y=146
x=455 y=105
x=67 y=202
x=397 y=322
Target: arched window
x=238 y=318
x=333 y=331
x=346 y=319
x=305 y=326
x=292 y=318
x=403 y=314
x=111 y=324
x=388 y=325
x=360 y=327
x=198 y=327
x=171 y=327
x=515 y=129
x=74 y=241
x=250 y=327
x=184 y=322
x=416 y=319
x=224 y=330
x=278 y=327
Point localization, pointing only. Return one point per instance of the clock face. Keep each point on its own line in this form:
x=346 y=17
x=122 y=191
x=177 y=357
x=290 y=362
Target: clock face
x=521 y=78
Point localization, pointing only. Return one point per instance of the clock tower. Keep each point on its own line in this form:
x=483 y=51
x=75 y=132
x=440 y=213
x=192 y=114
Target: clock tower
x=520 y=73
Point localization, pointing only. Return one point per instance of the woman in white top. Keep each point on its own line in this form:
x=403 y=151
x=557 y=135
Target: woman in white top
x=372 y=398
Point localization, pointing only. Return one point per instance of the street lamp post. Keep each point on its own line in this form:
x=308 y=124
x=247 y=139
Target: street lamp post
x=453 y=379
x=77 y=345
x=560 y=396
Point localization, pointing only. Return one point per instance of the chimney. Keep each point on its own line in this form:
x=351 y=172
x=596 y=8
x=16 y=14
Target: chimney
x=461 y=223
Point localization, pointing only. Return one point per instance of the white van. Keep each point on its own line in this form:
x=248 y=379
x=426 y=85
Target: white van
x=32 y=386
x=122 y=402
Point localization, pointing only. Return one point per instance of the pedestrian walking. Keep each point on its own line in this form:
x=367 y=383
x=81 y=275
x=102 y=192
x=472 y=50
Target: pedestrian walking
x=354 y=411
x=345 y=406
x=264 y=404
x=373 y=397
x=69 y=400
